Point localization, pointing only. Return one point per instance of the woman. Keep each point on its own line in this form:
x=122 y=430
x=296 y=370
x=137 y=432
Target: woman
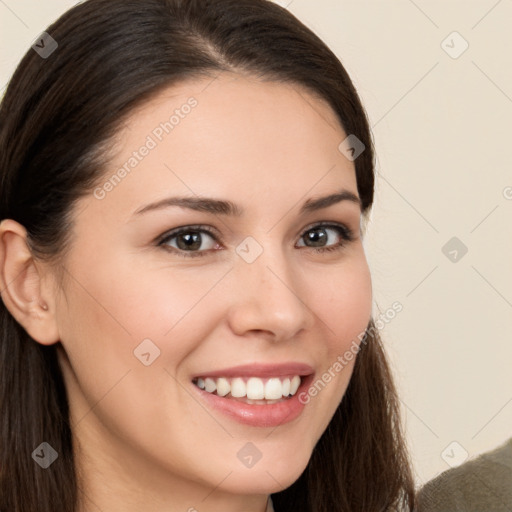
x=184 y=185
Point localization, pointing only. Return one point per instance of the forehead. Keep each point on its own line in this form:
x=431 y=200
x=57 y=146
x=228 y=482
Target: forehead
x=231 y=136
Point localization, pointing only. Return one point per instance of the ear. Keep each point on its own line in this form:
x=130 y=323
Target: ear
x=25 y=292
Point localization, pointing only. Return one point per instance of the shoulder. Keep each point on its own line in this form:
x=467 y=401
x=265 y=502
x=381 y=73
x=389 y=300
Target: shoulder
x=483 y=484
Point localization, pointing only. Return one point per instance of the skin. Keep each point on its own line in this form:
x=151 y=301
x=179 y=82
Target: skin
x=143 y=441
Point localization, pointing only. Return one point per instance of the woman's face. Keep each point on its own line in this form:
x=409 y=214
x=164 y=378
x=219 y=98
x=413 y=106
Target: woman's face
x=144 y=311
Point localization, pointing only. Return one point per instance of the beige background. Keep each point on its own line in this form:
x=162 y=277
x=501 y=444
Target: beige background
x=442 y=128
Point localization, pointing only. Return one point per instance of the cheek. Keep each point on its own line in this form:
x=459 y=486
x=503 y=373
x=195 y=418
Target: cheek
x=343 y=301
x=109 y=309
x=123 y=304
x=107 y=313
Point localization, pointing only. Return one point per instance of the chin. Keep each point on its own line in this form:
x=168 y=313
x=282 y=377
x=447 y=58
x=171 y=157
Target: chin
x=273 y=476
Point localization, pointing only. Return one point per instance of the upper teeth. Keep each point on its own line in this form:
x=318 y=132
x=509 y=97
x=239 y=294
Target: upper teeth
x=255 y=388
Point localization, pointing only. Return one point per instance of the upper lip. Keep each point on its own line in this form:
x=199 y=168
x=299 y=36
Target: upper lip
x=260 y=370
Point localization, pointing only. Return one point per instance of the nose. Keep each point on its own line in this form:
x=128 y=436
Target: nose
x=269 y=297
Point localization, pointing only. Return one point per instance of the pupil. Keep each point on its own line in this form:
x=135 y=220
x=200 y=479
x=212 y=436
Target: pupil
x=317 y=235
x=192 y=241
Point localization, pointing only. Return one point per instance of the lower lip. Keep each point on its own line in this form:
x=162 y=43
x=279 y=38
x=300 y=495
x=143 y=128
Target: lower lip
x=271 y=415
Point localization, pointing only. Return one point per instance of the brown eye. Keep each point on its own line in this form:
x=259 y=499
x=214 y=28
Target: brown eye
x=192 y=240
x=318 y=237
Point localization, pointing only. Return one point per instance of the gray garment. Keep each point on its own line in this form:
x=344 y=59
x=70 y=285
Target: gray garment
x=483 y=484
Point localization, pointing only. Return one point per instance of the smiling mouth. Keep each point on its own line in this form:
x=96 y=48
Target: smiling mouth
x=251 y=390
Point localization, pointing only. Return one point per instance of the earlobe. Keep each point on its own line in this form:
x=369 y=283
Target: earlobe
x=22 y=286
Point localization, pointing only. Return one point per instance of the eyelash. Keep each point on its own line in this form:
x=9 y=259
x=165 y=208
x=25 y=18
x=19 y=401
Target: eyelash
x=345 y=233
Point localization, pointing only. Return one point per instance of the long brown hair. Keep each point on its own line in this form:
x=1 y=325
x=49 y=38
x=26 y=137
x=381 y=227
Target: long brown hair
x=57 y=117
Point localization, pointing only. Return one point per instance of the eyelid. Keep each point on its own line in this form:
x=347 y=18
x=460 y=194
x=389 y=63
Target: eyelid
x=188 y=227
x=327 y=223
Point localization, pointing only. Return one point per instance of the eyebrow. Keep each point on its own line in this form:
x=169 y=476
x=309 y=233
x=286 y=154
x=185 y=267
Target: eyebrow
x=224 y=207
